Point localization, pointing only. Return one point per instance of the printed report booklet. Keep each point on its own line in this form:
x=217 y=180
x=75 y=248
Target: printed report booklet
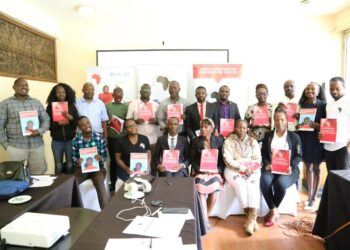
x=146 y=111
x=307 y=117
x=209 y=160
x=139 y=163
x=328 y=129
x=280 y=161
x=175 y=110
x=170 y=159
x=57 y=109
x=29 y=121
x=116 y=124
x=89 y=164
x=291 y=110
x=261 y=116
x=226 y=126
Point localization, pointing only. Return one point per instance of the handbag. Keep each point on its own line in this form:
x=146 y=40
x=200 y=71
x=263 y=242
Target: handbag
x=15 y=170
x=10 y=188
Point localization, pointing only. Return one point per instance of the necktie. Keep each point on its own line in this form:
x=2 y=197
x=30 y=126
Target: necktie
x=202 y=112
x=172 y=143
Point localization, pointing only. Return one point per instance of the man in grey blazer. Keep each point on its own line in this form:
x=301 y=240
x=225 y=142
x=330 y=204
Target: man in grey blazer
x=197 y=111
x=225 y=108
x=172 y=140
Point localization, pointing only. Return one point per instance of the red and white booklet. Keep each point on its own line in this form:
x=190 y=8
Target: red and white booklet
x=291 y=110
x=252 y=165
x=146 y=111
x=170 y=159
x=328 y=129
x=209 y=160
x=116 y=124
x=261 y=116
x=89 y=164
x=175 y=110
x=280 y=161
x=57 y=109
x=226 y=126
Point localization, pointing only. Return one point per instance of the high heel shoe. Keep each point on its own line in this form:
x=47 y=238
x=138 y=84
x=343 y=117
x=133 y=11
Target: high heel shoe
x=271 y=222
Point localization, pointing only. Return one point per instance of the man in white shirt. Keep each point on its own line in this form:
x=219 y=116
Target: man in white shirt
x=148 y=128
x=337 y=154
x=94 y=109
x=288 y=98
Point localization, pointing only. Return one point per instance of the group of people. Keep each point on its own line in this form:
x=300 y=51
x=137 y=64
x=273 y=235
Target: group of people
x=197 y=129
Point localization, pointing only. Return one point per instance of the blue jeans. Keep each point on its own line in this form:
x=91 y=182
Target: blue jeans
x=60 y=148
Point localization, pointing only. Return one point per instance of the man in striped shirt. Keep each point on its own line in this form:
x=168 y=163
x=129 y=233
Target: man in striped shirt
x=18 y=144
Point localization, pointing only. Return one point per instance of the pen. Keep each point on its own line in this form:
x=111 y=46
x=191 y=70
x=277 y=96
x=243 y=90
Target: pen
x=156 y=211
x=35 y=179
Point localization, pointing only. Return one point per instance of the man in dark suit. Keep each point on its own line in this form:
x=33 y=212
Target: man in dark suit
x=225 y=108
x=172 y=141
x=197 y=111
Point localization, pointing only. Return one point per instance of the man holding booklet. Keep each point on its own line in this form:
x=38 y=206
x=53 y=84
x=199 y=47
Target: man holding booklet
x=173 y=106
x=172 y=151
x=116 y=111
x=228 y=111
x=15 y=113
x=281 y=154
x=87 y=146
x=337 y=153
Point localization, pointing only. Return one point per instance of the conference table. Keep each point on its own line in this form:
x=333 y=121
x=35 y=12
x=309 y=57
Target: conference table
x=172 y=191
x=334 y=211
x=62 y=193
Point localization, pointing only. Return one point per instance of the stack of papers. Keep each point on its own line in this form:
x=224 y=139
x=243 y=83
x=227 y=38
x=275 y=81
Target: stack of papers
x=155 y=227
x=42 y=180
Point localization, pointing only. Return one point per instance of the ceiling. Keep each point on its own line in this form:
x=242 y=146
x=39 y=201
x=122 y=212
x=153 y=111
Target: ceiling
x=62 y=8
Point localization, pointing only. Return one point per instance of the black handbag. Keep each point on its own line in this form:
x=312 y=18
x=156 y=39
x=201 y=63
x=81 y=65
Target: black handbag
x=15 y=170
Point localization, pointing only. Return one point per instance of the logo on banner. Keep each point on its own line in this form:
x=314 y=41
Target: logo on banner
x=217 y=71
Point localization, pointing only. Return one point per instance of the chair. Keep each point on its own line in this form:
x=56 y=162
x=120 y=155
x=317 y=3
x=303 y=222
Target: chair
x=89 y=194
x=227 y=203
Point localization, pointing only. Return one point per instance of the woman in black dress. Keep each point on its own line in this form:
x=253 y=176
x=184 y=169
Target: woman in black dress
x=313 y=97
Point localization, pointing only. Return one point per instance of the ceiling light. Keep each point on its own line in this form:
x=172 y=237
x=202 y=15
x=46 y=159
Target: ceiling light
x=86 y=9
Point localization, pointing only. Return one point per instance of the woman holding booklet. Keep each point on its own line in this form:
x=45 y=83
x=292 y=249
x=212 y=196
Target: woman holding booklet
x=63 y=124
x=242 y=157
x=259 y=115
x=281 y=155
x=313 y=108
x=207 y=163
x=132 y=143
